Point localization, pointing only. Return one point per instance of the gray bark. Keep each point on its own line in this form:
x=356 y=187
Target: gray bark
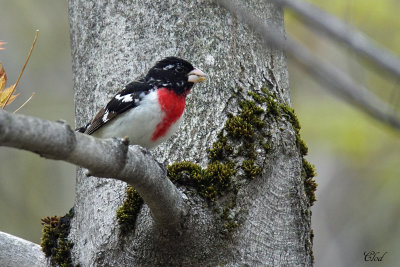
x=17 y=252
x=115 y=41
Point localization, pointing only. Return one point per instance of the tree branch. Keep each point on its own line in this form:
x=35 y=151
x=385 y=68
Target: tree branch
x=15 y=251
x=339 y=83
x=359 y=42
x=108 y=158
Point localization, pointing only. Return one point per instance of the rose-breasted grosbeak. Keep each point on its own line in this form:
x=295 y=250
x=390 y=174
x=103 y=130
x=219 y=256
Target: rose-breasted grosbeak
x=148 y=111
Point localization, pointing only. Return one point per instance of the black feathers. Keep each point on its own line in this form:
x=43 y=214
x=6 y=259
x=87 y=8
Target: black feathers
x=171 y=73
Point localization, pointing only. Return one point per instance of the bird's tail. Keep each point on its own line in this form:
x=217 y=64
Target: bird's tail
x=82 y=129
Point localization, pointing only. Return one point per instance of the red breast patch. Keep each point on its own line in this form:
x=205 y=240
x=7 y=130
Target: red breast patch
x=173 y=106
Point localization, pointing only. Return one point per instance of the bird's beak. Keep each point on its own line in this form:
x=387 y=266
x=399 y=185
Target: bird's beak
x=196 y=76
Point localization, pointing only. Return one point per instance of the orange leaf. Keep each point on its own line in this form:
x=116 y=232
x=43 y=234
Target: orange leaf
x=11 y=99
x=9 y=94
x=5 y=94
x=3 y=77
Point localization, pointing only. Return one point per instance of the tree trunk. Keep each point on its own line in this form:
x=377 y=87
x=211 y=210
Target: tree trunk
x=265 y=218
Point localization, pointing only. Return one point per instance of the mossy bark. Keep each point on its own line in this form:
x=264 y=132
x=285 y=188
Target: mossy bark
x=258 y=214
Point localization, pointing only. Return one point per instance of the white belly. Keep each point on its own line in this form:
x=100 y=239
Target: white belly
x=138 y=124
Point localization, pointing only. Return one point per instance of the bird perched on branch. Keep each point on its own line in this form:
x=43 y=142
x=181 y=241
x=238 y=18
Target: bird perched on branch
x=148 y=111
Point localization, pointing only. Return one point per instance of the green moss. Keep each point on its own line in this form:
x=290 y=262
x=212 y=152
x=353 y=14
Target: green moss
x=229 y=220
x=269 y=99
x=312 y=252
x=249 y=109
x=54 y=241
x=128 y=212
x=248 y=119
x=185 y=173
x=219 y=173
x=291 y=115
x=308 y=170
x=50 y=234
x=210 y=182
x=301 y=145
x=257 y=97
x=237 y=127
x=62 y=253
x=220 y=148
x=251 y=112
x=266 y=145
x=273 y=107
x=310 y=186
x=246 y=150
x=264 y=90
x=250 y=168
x=292 y=118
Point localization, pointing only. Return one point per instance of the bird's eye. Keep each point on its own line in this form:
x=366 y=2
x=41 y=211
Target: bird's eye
x=179 y=69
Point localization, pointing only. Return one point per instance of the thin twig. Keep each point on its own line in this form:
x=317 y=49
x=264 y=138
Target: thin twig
x=26 y=102
x=358 y=41
x=23 y=68
x=338 y=81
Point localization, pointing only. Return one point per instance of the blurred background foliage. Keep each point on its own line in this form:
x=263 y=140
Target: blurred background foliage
x=356 y=157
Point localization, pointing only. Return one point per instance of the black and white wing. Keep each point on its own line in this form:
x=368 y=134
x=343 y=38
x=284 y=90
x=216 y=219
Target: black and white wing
x=125 y=100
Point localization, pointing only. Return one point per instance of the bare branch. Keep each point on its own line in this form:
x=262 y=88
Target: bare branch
x=359 y=42
x=18 y=252
x=339 y=83
x=111 y=158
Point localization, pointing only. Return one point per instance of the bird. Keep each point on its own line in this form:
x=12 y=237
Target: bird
x=148 y=110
